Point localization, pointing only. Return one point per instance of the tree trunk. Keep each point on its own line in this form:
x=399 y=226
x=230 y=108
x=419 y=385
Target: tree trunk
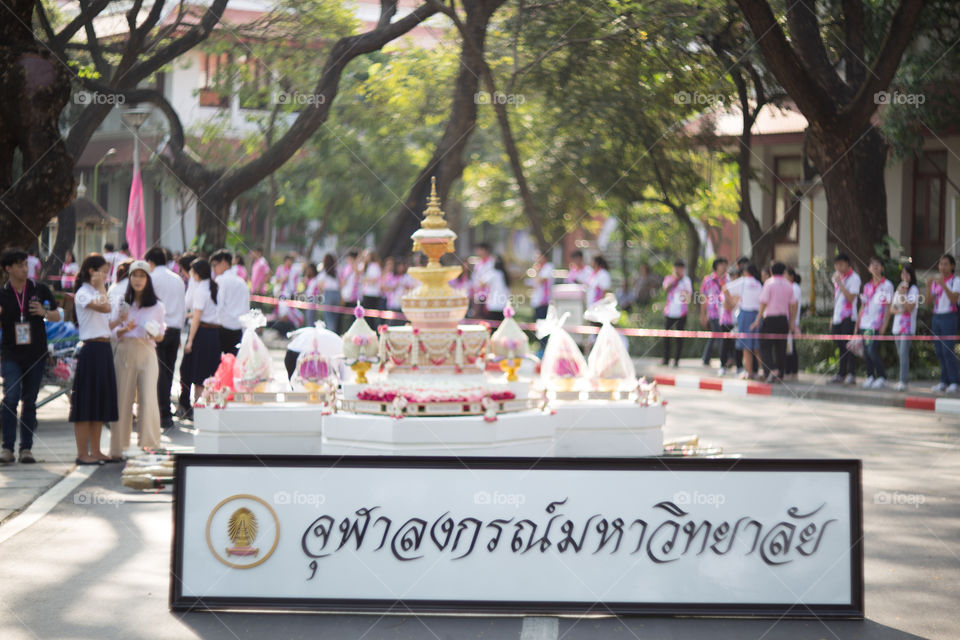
x=852 y=171
x=848 y=152
x=447 y=162
x=213 y=213
x=66 y=236
x=35 y=88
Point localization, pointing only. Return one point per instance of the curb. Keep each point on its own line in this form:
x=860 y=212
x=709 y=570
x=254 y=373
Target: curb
x=749 y=387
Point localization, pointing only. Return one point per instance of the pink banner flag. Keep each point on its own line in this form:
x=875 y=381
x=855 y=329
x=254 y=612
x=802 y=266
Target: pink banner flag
x=136 y=222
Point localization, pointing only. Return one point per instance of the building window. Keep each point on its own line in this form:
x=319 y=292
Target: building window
x=216 y=80
x=929 y=185
x=788 y=173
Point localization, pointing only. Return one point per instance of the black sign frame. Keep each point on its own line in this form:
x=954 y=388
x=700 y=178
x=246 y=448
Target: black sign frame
x=854 y=609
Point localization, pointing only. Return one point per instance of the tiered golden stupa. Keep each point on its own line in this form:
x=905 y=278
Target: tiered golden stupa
x=434 y=339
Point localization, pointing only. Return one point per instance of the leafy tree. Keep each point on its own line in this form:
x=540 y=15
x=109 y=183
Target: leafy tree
x=839 y=56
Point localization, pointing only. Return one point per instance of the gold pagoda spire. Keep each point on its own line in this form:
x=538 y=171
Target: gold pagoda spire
x=433 y=216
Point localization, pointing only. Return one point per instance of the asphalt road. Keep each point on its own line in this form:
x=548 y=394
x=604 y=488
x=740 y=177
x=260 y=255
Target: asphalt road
x=97 y=566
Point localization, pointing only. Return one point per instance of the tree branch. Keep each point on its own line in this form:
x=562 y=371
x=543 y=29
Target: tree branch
x=811 y=97
x=857 y=113
x=805 y=37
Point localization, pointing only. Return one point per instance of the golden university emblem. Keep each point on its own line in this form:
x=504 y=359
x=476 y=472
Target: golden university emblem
x=234 y=526
x=242 y=529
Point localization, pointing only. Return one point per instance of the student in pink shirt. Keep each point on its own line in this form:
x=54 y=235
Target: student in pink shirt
x=260 y=272
x=846 y=292
x=679 y=292
x=876 y=297
x=777 y=312
x=711 y=308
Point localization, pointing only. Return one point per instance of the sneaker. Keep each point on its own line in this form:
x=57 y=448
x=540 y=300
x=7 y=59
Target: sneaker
x=6 y=456
x=26 y=456
x=952 y=388
x=900 y=387
x=867 y=384
x=937 y=388
x=722 y=371
x=837 y=379
x=849 y=379
x=879 y=383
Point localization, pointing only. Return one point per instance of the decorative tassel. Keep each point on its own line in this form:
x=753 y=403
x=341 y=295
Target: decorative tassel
x=415 y=356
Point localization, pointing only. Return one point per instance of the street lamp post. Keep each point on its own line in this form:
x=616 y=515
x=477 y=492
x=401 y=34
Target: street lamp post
x=134 y=118
x=96 y=174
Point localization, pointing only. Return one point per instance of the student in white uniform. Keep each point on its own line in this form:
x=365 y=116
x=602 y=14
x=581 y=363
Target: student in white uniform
x=233 y=301
x=93 y=400
x=903 y=313
x=203 y=344
x=170 y=291
x=135 y=361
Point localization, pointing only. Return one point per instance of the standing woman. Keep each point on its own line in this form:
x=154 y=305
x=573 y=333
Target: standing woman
x=498 y=290
x=372 y=288
x=69 y=271
x=135 y=361
x=93 y=400
x=943 y=291
x=744 y=293
x=203 y=344
x=903 y=310
x=331 y=291
x=311 y=293
x=598 y=282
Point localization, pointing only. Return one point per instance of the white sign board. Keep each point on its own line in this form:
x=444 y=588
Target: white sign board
x=653 y=535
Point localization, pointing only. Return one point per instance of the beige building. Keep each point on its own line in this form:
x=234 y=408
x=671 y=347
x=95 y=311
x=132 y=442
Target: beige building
x=923 y=193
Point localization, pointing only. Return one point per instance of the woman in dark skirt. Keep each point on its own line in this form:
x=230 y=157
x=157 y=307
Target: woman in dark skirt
x=203 y=344
x=93 y=400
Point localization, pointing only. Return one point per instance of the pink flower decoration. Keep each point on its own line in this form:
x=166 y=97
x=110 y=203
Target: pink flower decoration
x=358 y=311
x=508 y=311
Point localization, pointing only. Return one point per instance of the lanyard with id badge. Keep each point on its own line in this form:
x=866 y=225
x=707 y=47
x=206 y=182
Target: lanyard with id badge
x=22 y=329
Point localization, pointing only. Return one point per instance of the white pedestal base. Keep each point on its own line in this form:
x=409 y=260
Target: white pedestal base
x=263 y=429
x=525 y=433
x=593 y=428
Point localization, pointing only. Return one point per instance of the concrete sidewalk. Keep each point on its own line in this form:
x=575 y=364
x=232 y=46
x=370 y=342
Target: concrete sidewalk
x=55 y=449
x=809 y=386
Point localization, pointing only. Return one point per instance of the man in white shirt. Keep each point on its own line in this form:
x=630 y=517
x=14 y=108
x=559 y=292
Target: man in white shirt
x=33 y=265
x=112 y=258
x=233 y=300
x=170 y=291
x=846 y=285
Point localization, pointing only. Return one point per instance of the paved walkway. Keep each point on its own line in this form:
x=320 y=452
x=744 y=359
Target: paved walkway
x=55 y=448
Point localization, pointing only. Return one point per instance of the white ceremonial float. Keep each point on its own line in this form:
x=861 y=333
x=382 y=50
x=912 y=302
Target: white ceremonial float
x=439 y=387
